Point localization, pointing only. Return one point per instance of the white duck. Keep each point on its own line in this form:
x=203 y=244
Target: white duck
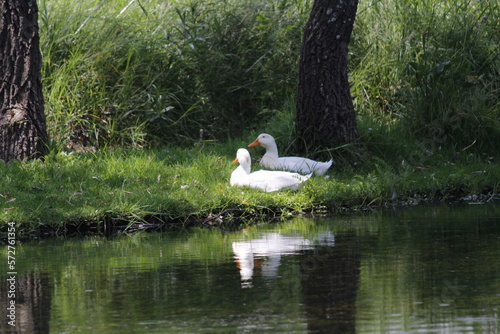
x=263 y=180
x=271 y=159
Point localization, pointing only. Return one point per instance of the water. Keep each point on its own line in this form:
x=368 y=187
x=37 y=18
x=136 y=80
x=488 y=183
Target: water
x=410 y=270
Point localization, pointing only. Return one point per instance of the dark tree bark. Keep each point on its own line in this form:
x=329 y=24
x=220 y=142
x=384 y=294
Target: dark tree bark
x=325 y=112
x=23 y=132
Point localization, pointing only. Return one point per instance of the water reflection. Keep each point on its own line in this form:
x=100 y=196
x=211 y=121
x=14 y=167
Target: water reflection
x=330 y=281
x=425 y=270
x=429 y=270
x=33 y=298
x=264 y=253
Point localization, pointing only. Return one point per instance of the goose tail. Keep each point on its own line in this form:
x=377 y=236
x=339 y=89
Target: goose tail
x=322 y=168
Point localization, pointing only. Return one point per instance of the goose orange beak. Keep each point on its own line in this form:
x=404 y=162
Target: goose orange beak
x=235 y=161
x=255 y=143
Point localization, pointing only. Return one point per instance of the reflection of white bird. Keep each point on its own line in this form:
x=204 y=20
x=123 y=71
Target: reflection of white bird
x=270 y=246
x=263 y=180
x=265 y=252
x=271 y=159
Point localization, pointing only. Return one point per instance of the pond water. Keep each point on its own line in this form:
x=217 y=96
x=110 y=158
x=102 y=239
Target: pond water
x=407 y=270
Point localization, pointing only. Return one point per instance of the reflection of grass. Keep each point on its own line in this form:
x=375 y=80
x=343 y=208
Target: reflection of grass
x=172 y=185
x=442 y=254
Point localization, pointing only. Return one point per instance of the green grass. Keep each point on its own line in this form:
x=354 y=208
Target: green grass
x=161 y=94
x=147 y=73
x=429 y=72
x=159 y=71
x=187 y=186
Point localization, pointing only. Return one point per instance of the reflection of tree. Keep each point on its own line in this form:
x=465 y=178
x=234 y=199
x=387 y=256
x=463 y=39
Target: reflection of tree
x=330 y=279
x=33 y=303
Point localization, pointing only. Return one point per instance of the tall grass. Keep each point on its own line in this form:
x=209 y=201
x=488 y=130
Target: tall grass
x=125 y=72
x=429 y=71
x=136 y=73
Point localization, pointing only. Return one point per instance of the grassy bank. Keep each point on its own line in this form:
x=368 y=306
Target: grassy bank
x=182 y=187
x=148 y=101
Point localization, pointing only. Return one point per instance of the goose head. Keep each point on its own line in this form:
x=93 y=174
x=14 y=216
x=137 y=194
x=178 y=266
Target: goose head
x=243 y=158
x=265 y=140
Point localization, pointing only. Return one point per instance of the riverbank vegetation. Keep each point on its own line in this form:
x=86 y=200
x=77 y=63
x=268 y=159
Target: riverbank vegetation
x=148 y=101
x=121 y=188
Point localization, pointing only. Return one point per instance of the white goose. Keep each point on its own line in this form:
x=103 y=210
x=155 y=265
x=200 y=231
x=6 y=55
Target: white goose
x=263 y=180
x=271 y=159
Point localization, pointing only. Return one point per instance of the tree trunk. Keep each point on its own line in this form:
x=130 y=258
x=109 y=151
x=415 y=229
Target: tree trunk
x=325 y=112
x=23 y=132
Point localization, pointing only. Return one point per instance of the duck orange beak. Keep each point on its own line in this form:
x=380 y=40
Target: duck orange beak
x=235 y=161
x=255 y=143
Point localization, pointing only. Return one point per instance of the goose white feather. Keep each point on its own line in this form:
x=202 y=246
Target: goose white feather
x=263 y=179
x=271 y=159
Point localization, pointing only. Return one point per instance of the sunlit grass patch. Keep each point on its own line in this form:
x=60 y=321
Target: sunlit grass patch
x=192 y=185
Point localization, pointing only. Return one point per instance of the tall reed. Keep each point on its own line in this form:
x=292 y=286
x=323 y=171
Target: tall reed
x=126 y=72
x=135 y=73
x=429 y=71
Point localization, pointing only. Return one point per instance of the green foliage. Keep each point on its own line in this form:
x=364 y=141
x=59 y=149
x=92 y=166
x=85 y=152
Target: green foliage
x=206 y=77
x=429 y=72
x=137 y=73
x=160 y=71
